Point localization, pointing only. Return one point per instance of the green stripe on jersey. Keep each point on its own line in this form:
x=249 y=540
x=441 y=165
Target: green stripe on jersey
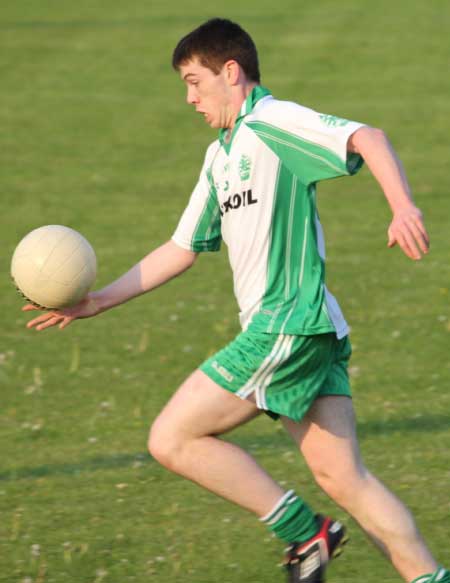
x=207 y=235
x=294 y=295
x=310 y=162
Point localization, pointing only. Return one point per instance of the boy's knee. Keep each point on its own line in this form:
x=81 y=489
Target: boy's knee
x=162 y=445
x=340 y=483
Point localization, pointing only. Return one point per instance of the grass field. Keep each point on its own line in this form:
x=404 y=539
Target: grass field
x=96 y=135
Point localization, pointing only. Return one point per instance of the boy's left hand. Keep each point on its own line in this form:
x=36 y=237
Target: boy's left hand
x=408 y=230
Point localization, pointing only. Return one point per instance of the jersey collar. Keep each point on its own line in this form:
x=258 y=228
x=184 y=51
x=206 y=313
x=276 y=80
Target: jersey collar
x=256 y=95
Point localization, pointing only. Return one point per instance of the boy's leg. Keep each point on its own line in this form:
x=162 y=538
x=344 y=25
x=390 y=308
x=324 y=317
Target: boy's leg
x=184 y=439
x=327 y=439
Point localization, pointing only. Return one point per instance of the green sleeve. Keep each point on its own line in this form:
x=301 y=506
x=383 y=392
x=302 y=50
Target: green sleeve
x=309 y=161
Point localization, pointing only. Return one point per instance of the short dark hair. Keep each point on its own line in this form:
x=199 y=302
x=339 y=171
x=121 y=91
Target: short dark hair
x=214 y=43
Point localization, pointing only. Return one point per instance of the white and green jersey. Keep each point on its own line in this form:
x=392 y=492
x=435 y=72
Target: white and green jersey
x=257 y=192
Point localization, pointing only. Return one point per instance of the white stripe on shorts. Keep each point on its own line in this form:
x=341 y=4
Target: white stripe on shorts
x=250 y=385
x=261 y=389
x=262 y=377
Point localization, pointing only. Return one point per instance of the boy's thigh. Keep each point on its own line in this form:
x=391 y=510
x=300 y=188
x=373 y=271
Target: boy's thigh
x=201 y=407
x=326 y=436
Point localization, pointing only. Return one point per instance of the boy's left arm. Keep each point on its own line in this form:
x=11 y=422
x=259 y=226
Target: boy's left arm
x=407 y=227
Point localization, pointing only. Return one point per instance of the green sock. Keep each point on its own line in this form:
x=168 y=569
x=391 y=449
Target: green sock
x=292 y=520
x=441 y=575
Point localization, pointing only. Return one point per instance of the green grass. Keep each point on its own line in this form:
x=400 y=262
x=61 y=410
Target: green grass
x=96 y=135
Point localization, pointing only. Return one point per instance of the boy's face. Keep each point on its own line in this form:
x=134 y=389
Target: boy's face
x=209 y=93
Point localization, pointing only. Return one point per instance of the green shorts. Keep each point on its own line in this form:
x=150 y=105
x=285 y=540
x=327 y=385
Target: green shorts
x=285 y=373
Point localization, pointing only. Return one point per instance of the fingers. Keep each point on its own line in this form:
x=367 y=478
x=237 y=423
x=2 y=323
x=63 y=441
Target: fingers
x=48 y=320
x=391 y=241
x=28 y=307
x=67 y=320
x=420 y=235
x=60 y=321
x=408 y=231
x=39 y=319
x=61 y=318
x=408 y=245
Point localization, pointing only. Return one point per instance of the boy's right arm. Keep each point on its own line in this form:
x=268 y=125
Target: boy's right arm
x=158 y=267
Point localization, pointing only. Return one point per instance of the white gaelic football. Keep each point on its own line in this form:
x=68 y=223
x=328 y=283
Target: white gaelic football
x=54 y=267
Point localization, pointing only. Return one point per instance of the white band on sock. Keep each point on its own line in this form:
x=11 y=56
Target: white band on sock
x=431 y=577
x=278 y=505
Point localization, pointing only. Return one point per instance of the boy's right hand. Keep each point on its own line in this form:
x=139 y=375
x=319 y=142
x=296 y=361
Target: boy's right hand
x=85 y=309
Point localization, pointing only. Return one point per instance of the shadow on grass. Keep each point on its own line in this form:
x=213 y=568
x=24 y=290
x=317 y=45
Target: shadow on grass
x=267 y=441
x=105 y=462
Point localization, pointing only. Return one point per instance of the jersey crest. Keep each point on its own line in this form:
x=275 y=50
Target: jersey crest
x=245 y=165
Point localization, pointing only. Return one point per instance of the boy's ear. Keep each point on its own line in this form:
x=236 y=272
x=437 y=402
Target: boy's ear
x=232 y=70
